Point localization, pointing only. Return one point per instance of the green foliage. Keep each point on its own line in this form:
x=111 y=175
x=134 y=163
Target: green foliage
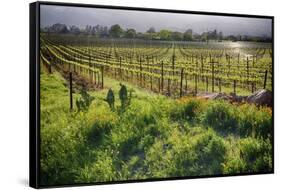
x=253 y=156
x=98 y=131
x=210 y=150
x=83 y=103
x=154 y=136
x=257 y=154
x=255 y=121
x=124 y=97
x=185 y=111
x=116 y=31
x=165 y=34
x=188 y=35
x=181 y=156
x=130 y=33
x=221 y=116
x=110 y=99
x=101 y=170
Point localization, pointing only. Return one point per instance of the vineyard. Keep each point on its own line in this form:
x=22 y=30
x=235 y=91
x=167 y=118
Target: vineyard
x=171 y=68
x=130 y=109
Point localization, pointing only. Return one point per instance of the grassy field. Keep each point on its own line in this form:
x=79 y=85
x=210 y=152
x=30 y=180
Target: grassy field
x=153 y=136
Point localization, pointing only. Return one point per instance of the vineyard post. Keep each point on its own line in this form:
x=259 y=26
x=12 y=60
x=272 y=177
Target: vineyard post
x=181 y=82
x=238 y=58
x=140 y=75
x=185 y=76
x=173 y=64
x=247 y=70
x=50 y=68
x=95 y=74
x=102 y=68
x=202 y=66
x=220 y=85
x=213 y=80
x=265 y=77
x=169 y=83
x=151 y=82
x=115 y=73
x=144 y=76
x=195 y=83
x=90 y=71
x=70 y=90
x=234 y=86
x=151 y=78
x=207 y=83
x=162 y=76
x=228 y=64
x=159 y=85
x=120 y=68
x=132 y=76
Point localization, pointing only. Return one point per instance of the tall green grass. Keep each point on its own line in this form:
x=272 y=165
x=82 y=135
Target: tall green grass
x=153 y=137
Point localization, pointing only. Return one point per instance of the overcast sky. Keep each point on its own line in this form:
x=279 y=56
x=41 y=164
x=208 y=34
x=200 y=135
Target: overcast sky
x=142 y=20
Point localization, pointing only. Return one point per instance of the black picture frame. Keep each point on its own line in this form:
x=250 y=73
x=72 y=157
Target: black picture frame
x=34 y=90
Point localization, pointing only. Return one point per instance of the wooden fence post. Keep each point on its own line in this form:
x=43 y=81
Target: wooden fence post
x=213 y=77
x=120 y=68
x=265 y=77
x=173 y=64
x=196 y=84
x=169 y=84
x=50 y=68
x=181 y=82
x=102 y=68
x=220 y=85
x=162 y=76
x=234 y=86
x=70 y=90
x=140 y=72
x=159 y=85
x=247 y=69
x=207 y=83
x=185 y=77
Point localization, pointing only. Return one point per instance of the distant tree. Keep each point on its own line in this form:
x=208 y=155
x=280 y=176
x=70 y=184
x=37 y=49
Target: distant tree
x=151 y=33
x=104 y=32
x=188 y=35
x=58 y=28
x=220 y=36
x=96 y=30
x=164 y=34
x=176 y=36
x=232 y=38
x=115 y=31
x=130 y=33
x=204 y=37
x=74 y=30
x=151 y=30
x=88 y=30
x=196 y=36
x=215 y=35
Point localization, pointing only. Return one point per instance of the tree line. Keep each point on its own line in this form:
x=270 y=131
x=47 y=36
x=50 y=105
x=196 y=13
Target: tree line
x=116 y=31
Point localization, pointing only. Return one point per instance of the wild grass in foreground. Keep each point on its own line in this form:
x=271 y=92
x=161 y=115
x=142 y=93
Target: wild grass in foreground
x=151 y=137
